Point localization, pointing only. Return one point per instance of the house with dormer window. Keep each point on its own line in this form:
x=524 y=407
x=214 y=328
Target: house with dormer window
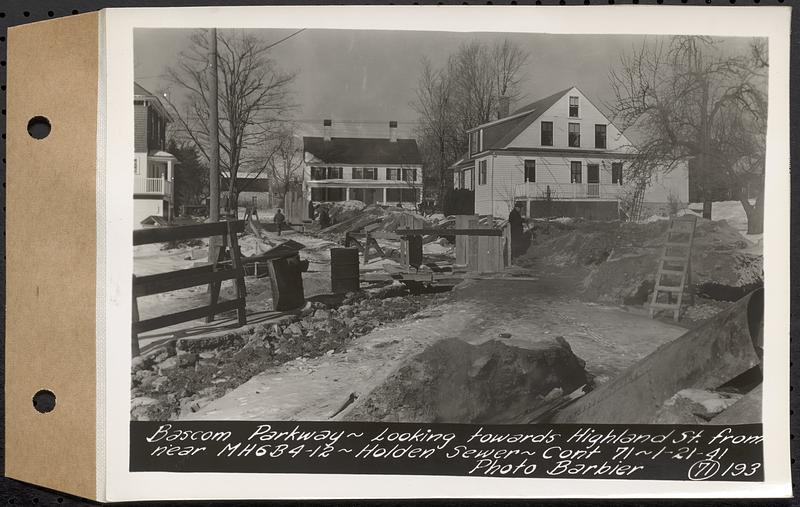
x=153 y=166
x=559 y=155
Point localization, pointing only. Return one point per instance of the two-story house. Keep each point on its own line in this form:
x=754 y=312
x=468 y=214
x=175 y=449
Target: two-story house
x=372 y=170
x=558 y=155
x=153 y=167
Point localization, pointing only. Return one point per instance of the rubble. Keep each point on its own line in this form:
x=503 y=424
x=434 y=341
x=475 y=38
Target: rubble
x=454 y=381
x=181 y=377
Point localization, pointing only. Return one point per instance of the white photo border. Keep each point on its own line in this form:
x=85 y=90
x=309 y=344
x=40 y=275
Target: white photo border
x=115 y=255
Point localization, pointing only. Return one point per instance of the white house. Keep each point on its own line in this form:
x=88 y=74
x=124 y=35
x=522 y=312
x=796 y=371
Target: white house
x=372 y=170
x=558 y=155
x=153 y=167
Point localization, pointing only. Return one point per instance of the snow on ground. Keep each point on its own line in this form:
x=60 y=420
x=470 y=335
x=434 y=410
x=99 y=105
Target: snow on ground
x=733 y=213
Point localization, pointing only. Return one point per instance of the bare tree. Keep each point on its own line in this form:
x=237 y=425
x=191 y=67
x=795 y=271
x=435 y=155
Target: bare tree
x=254 y=102
x=285 y=163
x=689 y=99
x=461 y=95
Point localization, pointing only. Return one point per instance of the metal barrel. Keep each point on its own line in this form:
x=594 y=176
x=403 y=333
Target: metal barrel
x=724 y=347
x=344 y=270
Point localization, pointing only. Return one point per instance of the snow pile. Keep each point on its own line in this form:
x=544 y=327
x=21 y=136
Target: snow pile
x=619 y=260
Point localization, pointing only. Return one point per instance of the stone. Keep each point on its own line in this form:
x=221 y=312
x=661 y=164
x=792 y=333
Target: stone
x=186 y=360
x=694 y=406
x=322 y=315
x=143 y=401
x=141 y=363
x=159 y=383
x=207 y=355
x=167 y=365
x=293 y=329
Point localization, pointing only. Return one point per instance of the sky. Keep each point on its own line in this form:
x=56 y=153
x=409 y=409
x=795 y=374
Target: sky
x=363 y=79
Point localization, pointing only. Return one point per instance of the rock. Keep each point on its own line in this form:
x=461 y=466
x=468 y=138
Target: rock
x=307 y=310
x=186 y=360
x=143 y=401
x=322 y=315
x=293 y=329
x=505 y=335
x=208 y=355
x=330 y=352
x=141 y=363
x=159 y=383
x=204 y=343
x=694 y=406
x=167 y=365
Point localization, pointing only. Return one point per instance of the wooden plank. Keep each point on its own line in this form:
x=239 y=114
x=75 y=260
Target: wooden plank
x=451 y=232
x=174 y=280
x=176 y=233
x=241 y=291
x=185 y=316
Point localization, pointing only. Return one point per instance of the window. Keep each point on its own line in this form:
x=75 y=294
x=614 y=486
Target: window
x=462 y=179
x=326 y=173
x=469 y=181
x=573 y=107
x=616 y=172
x=575 y=172
x=136 y=166
x=530 y=170
x=393 y=173
x=401 y=195
x=482 y=172
x=473 y=143
x=574 y=140
x=599 y=136
x=328 y=194
x=409 y=175
x=547 y=133
x=365 y=173
x=574 y=135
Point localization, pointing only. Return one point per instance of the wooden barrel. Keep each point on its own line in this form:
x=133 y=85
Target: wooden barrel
x=286 y=281
x=344 y=270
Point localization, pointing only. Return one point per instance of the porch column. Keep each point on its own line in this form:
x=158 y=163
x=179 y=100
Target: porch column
x=347 y=194
x=384 y=195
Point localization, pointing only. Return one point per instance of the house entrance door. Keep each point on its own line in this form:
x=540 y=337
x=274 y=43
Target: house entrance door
x=593 y=180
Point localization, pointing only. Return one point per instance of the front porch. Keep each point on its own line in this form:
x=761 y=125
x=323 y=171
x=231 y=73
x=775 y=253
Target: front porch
x=567 y=191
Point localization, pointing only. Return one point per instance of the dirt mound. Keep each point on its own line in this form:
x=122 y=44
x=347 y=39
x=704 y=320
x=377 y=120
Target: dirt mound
x=382 y=219
x=364 y=217
x=620 y=259
x=453 y=381
x=345 y=210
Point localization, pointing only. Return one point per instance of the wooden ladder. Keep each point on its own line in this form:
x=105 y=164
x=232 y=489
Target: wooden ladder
x=674 y=274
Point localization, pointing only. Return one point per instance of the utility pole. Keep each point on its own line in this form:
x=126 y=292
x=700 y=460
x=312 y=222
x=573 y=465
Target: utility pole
x=213 y=131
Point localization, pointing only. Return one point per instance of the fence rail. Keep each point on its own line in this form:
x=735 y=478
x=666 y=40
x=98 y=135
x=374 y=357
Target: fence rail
x=213 y=274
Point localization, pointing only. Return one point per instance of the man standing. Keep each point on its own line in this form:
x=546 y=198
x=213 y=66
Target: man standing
x=279 y=219
x=515 y=220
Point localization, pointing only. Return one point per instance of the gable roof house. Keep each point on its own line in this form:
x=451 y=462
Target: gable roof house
x=559 y=155
x=153 y=167
x=384 y=170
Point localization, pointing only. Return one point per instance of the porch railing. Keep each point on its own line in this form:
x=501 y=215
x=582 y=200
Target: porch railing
x=533 y=190
x=149 y=185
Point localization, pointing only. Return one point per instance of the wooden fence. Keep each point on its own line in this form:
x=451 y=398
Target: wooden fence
x=222 y=239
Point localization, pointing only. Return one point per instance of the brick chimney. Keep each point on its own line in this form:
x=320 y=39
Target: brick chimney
x=502 y=107
x=393 y=131
x=327 y=129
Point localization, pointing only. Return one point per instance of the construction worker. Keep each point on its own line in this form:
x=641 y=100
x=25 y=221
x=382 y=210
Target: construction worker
x=324 y=218
x=515 y=220
x=279 y=220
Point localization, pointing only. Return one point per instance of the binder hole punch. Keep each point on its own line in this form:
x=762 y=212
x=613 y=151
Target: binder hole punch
x=39 y=127
x=44 y=401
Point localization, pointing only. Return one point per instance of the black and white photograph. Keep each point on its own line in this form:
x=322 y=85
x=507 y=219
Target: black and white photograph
x=442 y=227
